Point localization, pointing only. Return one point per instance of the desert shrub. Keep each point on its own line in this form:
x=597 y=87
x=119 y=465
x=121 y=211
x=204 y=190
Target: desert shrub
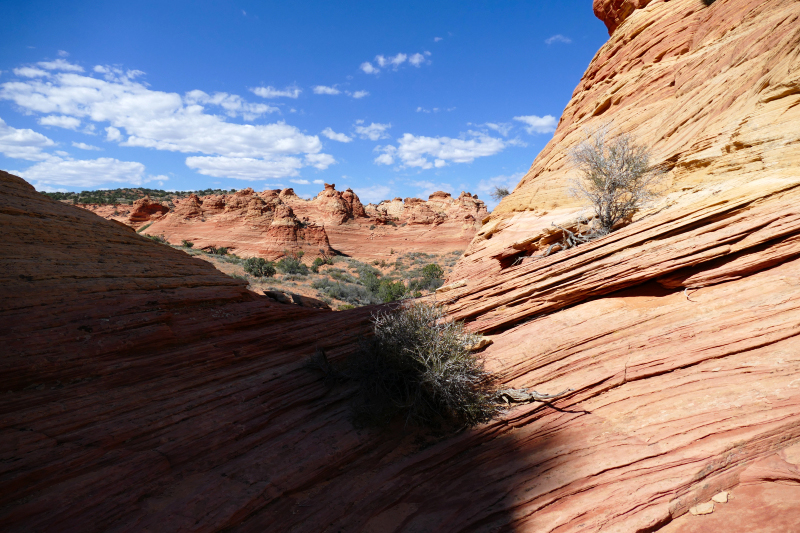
x=417 y=294
x=292 y=265
x=370 y=280
x=157 y=238
x=232 y=258
x=347 y=292
x=372 y=226
x=616 y=178
x=391 y=223
x=498 y=193
x=318 y=262
x=187 y=244
x=144 y=227
x=217 y=250
x=345 y=307
x=238 y=276
x=259 y=267
x=390 y=291
x=419 y=366
x=341 y=275
x=432 y=271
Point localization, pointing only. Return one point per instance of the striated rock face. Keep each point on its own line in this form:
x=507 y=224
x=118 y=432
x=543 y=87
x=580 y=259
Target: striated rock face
x=679 y=332
x=248 y=223
x=149 y=392
x=268 y=223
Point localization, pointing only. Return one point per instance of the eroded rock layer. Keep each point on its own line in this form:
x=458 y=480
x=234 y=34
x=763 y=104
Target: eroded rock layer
x=272 y=222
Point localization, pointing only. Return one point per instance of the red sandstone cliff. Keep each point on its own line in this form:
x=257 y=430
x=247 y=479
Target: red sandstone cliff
x=268 y=223
x=149 y=392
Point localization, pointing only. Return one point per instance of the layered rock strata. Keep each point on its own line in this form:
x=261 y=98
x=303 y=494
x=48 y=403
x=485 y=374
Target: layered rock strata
x=155 y=394
x=269 y=223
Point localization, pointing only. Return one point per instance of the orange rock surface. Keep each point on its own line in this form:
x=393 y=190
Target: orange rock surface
x=149 y=392
x=268 y=223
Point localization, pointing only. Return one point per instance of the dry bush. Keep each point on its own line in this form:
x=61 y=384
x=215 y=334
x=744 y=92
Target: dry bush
x=498 y=193
x=419 y=366
x=617 y=178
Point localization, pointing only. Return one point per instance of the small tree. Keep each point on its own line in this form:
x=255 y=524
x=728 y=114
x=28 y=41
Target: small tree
x=259 y=267
x=616 y=177
x=499 y=193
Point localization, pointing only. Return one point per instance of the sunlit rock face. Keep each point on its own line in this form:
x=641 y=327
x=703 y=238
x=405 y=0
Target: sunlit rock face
x=678 y=332
x=259 y=224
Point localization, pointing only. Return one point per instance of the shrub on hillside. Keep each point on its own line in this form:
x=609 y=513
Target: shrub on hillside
x=259 y=267
x=389 y=291
x=292 y=265
x=616 y=177
x=187 y=244
x=419 y=366
x=157 y=238
x=217 y=250
x=498 y=193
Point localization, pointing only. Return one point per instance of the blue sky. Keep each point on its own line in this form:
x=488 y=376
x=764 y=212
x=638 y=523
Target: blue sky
x=391 y=99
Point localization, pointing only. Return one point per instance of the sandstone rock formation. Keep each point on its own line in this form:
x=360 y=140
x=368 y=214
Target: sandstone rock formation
x=268 y=223
x=247 y=223
x=149 y=392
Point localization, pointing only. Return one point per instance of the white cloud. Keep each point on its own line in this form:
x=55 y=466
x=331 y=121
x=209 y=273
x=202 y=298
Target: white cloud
x=374 y=194
x=360 y=94
x=61 y=121
x=485 y=187
x=63 y=53
x=503 y=128
x=373 y=132
x=135 y=115
x=415 y=151
x=84 y=146
x=300 y=182
x=23 y=143
x=416 y=60
x=113 y=134
x=60 y=64
x=535 y=124
x=558 y=38
x=393 y=62
x=324 y=89
x=426 y=188
x=245 y=168
x=437 y=39
x=320 y=161
x=367 y=67
x=319 y=182
x=234 y=105
x=85 y=173
x=272 y=92
x=30 y=72
x=332 y=135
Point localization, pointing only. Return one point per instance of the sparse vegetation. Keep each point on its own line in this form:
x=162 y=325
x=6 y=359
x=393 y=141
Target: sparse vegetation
x=157 y=238
x=498 y=193
x=419 y=367
x=616 y=177
x=129 y=195
x=187 y=244
x=217 y=250
x=259 y=267
x=291 y=264
x=144 y=227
